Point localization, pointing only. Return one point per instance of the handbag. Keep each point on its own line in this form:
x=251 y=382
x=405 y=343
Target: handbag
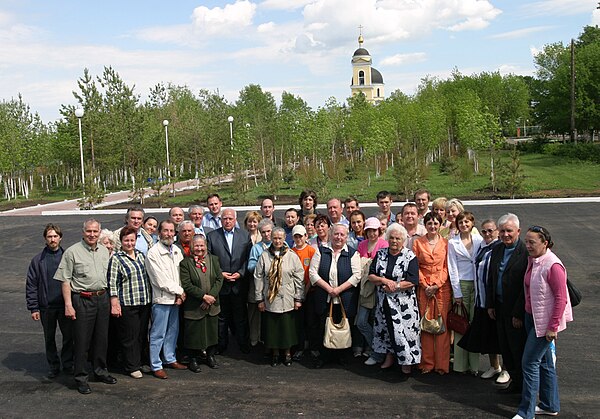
x=458 y=319
x=337 y=335
x=574 y=293
x=435 y=326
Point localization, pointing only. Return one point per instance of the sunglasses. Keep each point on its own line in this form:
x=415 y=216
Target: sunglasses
x=488 y=230
x=541 y=230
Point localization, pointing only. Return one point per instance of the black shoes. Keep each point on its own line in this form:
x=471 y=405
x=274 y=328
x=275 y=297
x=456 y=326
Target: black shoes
x=193 y=365
x=106 y=379
x=287 y=361
x=53 y=374
x=211 y=362
x=275 y=360
x=84 y=388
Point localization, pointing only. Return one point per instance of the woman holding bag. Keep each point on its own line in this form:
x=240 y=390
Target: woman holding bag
x=395 y=272
x=434 y=292
x=462 y=250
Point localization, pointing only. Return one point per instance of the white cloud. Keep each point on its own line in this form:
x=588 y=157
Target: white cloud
x=387 y=21
x=559 y=7
x=469 y=24
x=595 y=18
x=520 y=33
x=284 y=4
x=534 y=50
x=400 y=59
x=506 y=69
x=266 y=27
x=224 y=21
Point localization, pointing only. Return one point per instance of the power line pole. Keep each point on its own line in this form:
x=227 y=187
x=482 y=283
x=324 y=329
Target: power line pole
x=573 y=129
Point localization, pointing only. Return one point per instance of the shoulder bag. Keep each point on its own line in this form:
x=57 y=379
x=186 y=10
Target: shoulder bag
x=337 y=335
x=458 y=319
x=434 y=325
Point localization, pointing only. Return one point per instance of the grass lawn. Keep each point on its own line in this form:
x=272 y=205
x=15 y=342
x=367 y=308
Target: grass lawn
x=544 y=176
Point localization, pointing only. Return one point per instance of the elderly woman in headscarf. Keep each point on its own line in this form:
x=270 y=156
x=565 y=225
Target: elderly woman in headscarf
x=201 y=278
x=279 y=281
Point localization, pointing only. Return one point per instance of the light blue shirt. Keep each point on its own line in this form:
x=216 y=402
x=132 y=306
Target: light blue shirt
x=141 y=244
x=212 y=221
x=229 y=239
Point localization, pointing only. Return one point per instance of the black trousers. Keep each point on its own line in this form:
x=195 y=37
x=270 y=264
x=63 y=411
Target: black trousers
x=133 y=336
x=512 y=343
x=90 y=334
x=234 y=317
x=313 y=323
x=50 y=318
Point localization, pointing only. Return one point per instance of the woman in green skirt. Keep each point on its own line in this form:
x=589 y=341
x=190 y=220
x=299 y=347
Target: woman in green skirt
x=279 y=292
x=201 y=279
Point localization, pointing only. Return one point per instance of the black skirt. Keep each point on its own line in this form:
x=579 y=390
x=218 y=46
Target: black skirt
x=482 y=336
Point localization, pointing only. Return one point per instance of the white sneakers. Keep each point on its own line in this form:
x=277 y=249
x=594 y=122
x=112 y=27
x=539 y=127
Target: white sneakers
x=503 y=378
x=540 y=411
x=491 y=372
x=370 y=361
x=136 y=374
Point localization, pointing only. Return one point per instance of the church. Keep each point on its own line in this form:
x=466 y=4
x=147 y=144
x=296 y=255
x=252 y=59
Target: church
x=365 y=79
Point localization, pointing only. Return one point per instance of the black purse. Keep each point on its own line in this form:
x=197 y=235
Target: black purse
x=574 y=293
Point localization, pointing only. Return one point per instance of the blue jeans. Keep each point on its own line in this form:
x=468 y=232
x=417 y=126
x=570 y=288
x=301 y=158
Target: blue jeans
x=363 y=325
x=539 y=374
x=163 y=334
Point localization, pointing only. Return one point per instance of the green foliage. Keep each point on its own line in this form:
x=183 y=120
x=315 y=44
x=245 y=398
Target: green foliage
x=511 y=176
x=93 y=194
x=585 y=152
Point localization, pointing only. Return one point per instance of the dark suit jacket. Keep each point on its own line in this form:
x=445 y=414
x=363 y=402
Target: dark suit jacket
x=234 y=261
x=513 y=294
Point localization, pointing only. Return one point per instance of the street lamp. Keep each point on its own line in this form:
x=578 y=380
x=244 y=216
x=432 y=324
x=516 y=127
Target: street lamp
x=230 y=119
x=166 y=125
x=79 y=114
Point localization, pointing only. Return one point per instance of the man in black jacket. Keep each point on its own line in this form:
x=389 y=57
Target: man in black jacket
x=506 y=298
x=232 y=246
x=45 y=302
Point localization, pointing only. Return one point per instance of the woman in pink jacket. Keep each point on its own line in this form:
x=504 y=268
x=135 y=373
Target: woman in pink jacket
x=547 y=311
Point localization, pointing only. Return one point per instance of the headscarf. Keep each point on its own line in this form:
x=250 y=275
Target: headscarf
x=275 y=273
x=200 y=263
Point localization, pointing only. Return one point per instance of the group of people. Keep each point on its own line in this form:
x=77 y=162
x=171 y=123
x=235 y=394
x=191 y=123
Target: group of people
x=174 y=291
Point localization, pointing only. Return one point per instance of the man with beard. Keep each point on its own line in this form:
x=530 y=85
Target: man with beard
x=162 y=264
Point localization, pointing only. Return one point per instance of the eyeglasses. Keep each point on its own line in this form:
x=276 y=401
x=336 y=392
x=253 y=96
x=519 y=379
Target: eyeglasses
x=488 y=230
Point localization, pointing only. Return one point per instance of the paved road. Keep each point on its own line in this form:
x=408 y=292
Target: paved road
x=247 y=386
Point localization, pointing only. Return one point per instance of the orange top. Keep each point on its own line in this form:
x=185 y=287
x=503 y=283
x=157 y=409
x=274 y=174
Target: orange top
x=433 y=263
x=305 y=256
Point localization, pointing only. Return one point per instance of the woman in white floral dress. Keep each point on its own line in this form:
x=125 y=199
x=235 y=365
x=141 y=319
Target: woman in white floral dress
x=395 y=272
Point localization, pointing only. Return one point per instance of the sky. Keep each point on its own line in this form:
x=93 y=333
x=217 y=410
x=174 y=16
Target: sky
x=303 y=47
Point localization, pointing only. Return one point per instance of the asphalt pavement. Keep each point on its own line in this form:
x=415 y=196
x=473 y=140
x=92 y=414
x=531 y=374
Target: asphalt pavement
x=247 y=386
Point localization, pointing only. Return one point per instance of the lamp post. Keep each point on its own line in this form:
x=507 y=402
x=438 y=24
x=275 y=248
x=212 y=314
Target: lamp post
x=230 y=120
x=79 y=114
x=166 y=125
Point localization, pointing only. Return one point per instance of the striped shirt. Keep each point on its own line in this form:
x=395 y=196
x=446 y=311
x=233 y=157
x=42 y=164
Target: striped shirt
x=128 y=280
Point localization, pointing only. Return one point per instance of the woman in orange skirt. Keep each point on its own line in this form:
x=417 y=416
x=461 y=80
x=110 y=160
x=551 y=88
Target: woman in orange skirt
x=432 y=254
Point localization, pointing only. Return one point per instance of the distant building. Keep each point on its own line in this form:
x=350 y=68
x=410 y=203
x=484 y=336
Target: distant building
x=365 y=79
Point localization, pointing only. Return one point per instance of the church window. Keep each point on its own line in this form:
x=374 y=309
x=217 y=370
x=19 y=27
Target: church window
x=361 y=78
